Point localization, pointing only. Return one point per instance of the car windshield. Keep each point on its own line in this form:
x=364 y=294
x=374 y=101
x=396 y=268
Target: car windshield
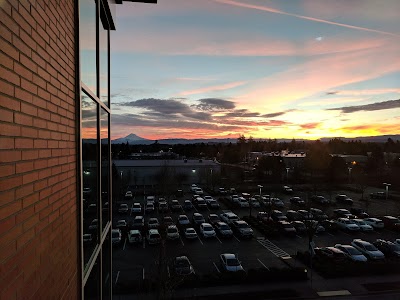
x=370 y=247
x=224 y=227
x=115 y=234
x=154 y=236
x=233 y=262
x=353 y=251
x=182 y=263
x=287 y=225
x=182 y=218
x=190 y=231
x=152 y=221
x=171 y=230
x=198 y=218
x=243 y=225
x=394 y=247
x=207 y=228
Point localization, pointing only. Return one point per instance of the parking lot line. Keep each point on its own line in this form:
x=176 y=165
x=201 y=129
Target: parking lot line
x=236 y=238
x=169 y=274
x=116 y=279
x=143 y=273
x=346 y=233
x=216 y=267
x=218 y=239
x=200 y=240
x=144 y=243
x=183 y=244
x=330 y=234
x=262 y=264
x=124 y=244
x=298 y=236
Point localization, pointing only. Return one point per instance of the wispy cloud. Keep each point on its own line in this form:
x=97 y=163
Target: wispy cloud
x=213 y=88
x=369 y=107
x=214 y=104
x=276 y=11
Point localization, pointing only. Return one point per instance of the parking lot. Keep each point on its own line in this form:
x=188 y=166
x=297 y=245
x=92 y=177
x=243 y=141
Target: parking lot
x=140 y=262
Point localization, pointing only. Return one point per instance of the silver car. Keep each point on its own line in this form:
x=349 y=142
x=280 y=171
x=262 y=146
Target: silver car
x=352 y=253
x=368 y=249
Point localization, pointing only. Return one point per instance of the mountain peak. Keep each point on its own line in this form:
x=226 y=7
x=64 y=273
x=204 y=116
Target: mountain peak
x=133 y=136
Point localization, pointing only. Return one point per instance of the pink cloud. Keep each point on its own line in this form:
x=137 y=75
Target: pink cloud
x=213 y=88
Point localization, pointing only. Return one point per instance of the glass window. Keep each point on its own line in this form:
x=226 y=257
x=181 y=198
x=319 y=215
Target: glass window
x=103 y=52
x=92 y=287
x=87 y=33
x=106 y=266
x=90 y=177
x=105 y=167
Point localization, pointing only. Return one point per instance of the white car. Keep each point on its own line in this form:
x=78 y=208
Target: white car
x=223 y=229
x=368 y=249
x=363 y=226
x=352 y=253
x=183 y=220
x=254 y=202
x=172 y=232
x=198 y=191
x=207 y=230
x=198 y=218
x=375 y=222
x=153 y=237
x=228 y=217
x=230 y=263
x=134 y=236
x=129 y=194
x=208 y=198
x=190 y=233
x=347 y=224
x=136 y=208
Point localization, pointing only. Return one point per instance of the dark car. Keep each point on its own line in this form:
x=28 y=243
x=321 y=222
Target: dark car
x=137 y=223
x=175 y=205
x=344 y=199
x=359 y=212
x=318 y=214
x=168 y=221
x=388 y=248
x=305 y=214
x=277 y=215
x=293 y=215
x=299 y=226
x=297 y=201
x=187 y=205
x=320 y=200
x=286 y=228
x=329 y=225
x=330 y=253
x=242 y=229
x=213 y=218
x=182 y=266
x=378 y=195
x=391 y=222
x=263 y=217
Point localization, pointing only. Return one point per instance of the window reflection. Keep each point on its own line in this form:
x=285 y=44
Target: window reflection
x=106 y=267
x=90 y=181
x=87 y=33
x=92 y=286
x=103 y=52
x=105 y=167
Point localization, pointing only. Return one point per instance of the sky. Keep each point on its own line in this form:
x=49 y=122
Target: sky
x=259 y=68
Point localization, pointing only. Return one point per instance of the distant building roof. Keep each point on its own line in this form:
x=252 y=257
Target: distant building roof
x=165 y=162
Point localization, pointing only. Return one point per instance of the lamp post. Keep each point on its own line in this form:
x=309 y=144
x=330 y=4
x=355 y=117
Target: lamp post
x=287 y=175
x=349 y=168
x=387 y=189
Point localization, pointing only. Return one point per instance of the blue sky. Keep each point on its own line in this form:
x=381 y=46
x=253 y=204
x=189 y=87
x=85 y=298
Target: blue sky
x=267 y=69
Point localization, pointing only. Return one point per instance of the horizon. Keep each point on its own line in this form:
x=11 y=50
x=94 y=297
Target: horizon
x=224 y=68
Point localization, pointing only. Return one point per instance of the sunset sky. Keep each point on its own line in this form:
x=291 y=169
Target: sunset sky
x=266 y=69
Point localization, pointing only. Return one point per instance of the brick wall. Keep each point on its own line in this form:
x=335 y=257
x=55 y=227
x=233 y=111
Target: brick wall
x=38 y=207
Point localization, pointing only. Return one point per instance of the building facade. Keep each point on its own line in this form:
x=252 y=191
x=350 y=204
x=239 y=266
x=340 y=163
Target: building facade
x=54 y=94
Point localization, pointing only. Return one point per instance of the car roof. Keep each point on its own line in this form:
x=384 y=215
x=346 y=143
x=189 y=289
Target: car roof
x=228 y=255
x=134 y=231
x=361 y=241
x=153 y=231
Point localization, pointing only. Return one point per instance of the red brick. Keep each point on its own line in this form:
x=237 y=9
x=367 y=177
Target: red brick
x=10 y=156
x=9 y=76
x=6 y=115
x=29 y=109
x=21 y=143
x=23 y=119
x=30 y=154
x=24 y=191
x=10 y=209
x=7 y=170
x=10 y=183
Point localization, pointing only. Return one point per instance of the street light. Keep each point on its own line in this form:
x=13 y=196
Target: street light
x=387 y=189
x=287 y=175
x=260 y=187
x=350 y=168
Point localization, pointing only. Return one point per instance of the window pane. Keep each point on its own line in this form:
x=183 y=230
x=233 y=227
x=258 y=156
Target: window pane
x=87 y=31
x=106 y=257
x=93 y=283
x=105 y=167
x=103 y=52
x=90 y=179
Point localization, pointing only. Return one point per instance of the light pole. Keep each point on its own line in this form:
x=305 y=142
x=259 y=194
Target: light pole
x=387 y=189
x=287 y=175
x=260 y=187
x=349 y=168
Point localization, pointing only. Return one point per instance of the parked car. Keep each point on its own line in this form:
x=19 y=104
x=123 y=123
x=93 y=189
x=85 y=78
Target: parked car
x=121 y=224
x=87 y=239
x=277 y=215
x=286 y=228
x=162 y=206
x=223 y=229
x=230 y=263
x=187 y=205
x=305 y=214
x=153 y=237
x=342 y=198
x=359 y=212
x=347 y=224
x=378 y=195
x=342 y=213
x=123 y=208
x=213 y=218
x=369 y=250
x=137 y=223
x=297 y=201
x=153 y=223
x=182 y=266
x=207 y=230
x=320 y=200
x=391 y=222
x=198 y=191
x=134 y=236
x=330 y=225
x=190 y=233
x=149 y=207
x=363 y=226
x=116 y=237
x=242 y=229
x=198 y=218
x=128 y=195
x=172 y=232
x=183 y=220
x=254 y=203
x=93 y=225
x=193 y=187
x=213 y=204
x=352 y=253
x=167 y=220
x=389 y=249
x=293 y=215
x=175 y=205
x=375 y=223
x=299 y=226
x=277 y=202
x=330 y=253
x=287 y=189
x=242 y=202
x=318 y=214
x=228 y=217
x=222 y=191
x=200 y=203
x=136 y=208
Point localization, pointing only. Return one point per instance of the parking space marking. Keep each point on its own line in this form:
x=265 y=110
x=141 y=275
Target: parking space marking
x=346 y=233
x=169 y=274
x=200 y=240
x=262 y=264
x=183 y=244
x=236 y=238
x=216 y=267
x=143 y=273
x=144 y=243
x=298 y=236
x=274 y=249
x=218 y=239
x=330 y=234
x=124 y=244
x=116 y=279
